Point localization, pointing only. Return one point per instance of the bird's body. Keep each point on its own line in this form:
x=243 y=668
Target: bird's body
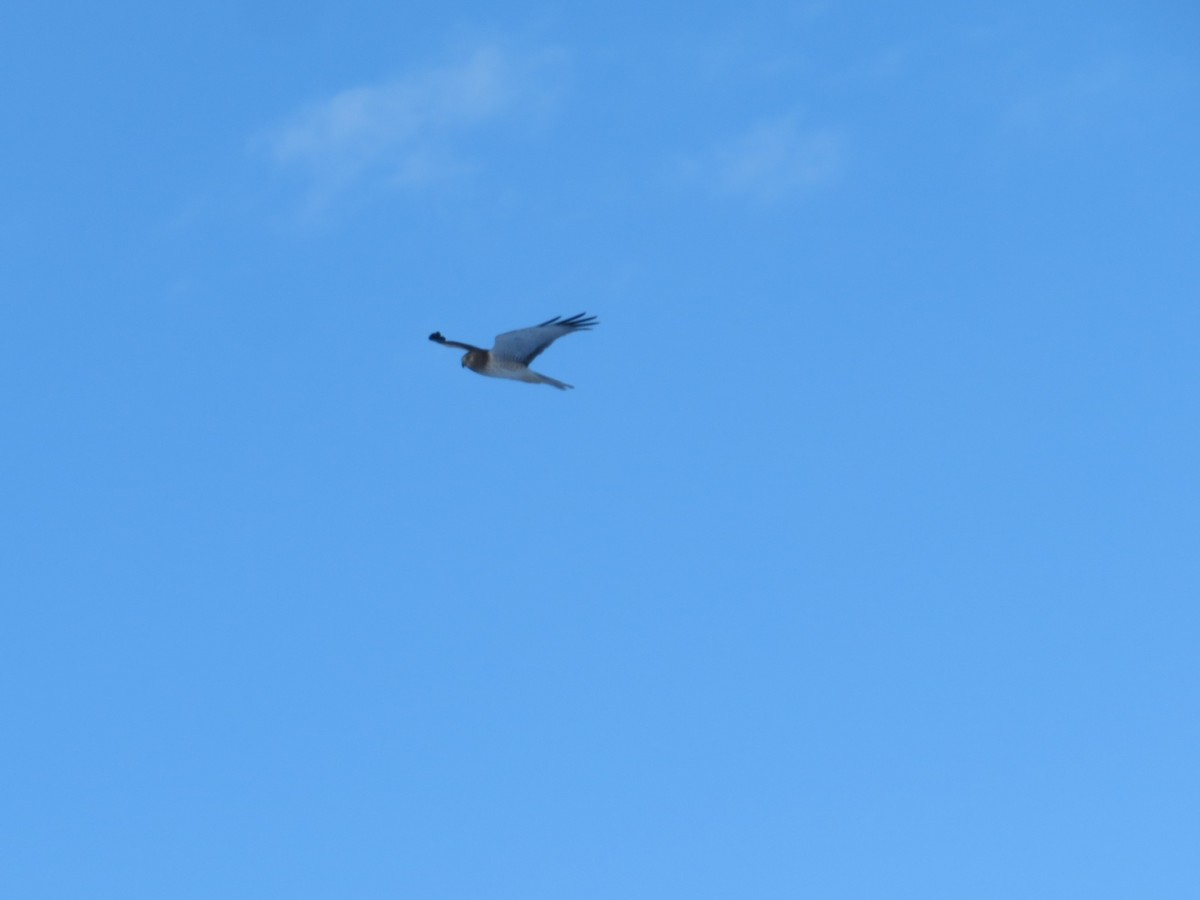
x=513 y=351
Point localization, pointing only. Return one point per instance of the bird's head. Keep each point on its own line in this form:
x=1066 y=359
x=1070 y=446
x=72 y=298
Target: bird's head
x=465 y=357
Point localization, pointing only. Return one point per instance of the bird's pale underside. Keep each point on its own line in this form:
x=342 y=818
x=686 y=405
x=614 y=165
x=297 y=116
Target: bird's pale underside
x=513 y=351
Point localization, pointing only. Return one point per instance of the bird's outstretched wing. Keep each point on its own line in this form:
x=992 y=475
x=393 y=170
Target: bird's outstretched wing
x=523 y=345
x=437 y=338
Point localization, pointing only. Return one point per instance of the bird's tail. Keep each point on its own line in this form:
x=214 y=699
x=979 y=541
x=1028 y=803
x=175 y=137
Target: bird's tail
x=553 y=382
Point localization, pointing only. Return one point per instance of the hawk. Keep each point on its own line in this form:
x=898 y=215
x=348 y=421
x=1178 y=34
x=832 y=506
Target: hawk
x=513 y=351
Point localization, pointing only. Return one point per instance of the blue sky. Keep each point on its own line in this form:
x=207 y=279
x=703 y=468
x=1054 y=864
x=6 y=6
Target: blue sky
x=862 y=562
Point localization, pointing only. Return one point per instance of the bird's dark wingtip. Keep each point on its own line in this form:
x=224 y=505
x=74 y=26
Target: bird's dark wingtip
x=581 y=321
x=437 y=336
x=578 y=322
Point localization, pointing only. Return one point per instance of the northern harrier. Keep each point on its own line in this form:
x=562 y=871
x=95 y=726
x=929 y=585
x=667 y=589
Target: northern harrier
x=513 y=351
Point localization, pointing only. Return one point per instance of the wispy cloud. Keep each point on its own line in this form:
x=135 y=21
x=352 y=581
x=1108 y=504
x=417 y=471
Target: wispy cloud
x=1078 y=108
x=407 y=132
x=774 y=160
x=1074 y=99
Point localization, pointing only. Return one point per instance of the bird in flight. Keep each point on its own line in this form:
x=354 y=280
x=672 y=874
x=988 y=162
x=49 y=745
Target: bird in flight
x=513 y=351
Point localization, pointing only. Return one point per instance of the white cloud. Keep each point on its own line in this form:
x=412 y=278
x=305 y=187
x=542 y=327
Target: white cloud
x=774 y=160
x=406 y=132
x=1074 y=100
